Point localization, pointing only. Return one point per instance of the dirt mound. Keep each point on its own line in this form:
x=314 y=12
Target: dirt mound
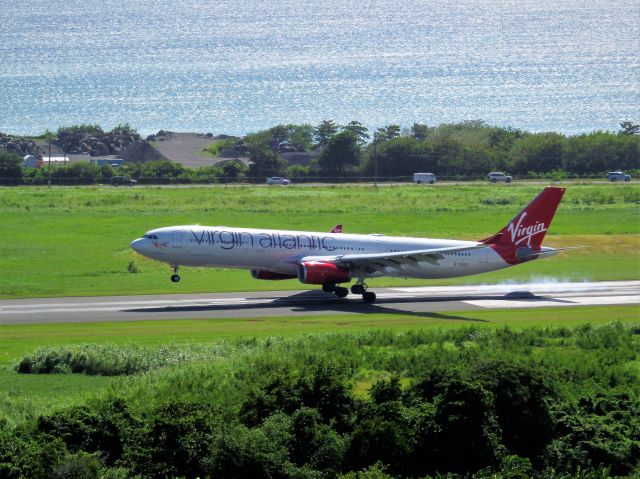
x=140 y=152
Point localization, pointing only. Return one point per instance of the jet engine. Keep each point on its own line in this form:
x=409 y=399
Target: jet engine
x=269 y=275
x=318 y=272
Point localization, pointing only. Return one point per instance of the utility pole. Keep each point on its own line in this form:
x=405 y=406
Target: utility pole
x=49 y=168
x=375 y=157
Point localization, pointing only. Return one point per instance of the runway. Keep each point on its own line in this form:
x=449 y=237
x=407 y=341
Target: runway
x=294 y=303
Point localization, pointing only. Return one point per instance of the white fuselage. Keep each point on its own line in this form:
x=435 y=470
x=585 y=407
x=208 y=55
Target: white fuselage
x=278 y=251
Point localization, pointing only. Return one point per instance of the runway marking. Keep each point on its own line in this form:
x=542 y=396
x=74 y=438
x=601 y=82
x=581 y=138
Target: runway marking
x=549 y=302
x=151 y=303
x=550 y=287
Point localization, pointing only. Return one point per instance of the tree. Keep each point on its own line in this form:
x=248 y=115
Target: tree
x=10 y=169
x=463 y=435
x=265 y=161
x=629 y=128
x=401 y=156
x=542 y=152
x=382 y=433
x=178 y=440
x=324 y=131
x=300 y=136
x=232 y=170
x=392 y=131
x=358 y=130
x=419 y=131
x=314 y=443
x=278 y=136
x=385 y=391
x=521 y=397
x=341 y=151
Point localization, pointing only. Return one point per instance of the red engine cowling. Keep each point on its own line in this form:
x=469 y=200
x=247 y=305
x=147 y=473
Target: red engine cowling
x=269 y=275
x=317 y=272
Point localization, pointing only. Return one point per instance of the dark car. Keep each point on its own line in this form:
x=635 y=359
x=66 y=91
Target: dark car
x=614 y=176
x=123 y=180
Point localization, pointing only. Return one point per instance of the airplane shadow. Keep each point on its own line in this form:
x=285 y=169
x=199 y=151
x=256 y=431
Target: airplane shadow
x=315 y=301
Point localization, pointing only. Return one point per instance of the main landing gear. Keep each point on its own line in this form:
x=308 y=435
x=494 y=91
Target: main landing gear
x=175 y=277
x=359 y=288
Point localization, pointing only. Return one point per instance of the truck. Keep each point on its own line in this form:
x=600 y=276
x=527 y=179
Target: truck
x=428 y=178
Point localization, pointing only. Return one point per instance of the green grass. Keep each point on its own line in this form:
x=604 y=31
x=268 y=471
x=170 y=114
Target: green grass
x=24 y=396
x=16 y=340
x=75 y=241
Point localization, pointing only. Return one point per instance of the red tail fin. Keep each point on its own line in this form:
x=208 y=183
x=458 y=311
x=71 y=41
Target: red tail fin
x=528 y=228
x=336 y=229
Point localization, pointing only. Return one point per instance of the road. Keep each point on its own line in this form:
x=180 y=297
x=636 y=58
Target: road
x=293 y=303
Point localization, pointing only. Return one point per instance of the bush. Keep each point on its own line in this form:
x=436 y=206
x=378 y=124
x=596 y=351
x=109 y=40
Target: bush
x=322 y=387
x=177 y=441
x=109 y=359
x=481 y=402
x=521 y=400
x=105 y=431
x=11 y=171
x=132 y=267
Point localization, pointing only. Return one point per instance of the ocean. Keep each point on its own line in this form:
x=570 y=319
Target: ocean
x=240 y=66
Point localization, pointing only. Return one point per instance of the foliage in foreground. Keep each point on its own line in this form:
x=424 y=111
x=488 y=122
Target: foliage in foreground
x=553 y=402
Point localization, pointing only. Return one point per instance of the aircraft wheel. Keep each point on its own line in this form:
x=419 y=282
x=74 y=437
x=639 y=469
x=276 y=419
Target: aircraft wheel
x=341 y=292
x=328 y=287
x=357 y=289
x=175 y=278
x=369 y=297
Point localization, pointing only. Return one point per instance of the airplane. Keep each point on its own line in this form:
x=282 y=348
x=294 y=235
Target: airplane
x=332 y=259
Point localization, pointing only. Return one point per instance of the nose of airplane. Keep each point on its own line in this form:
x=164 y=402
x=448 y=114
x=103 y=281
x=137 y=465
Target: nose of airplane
x=137 y=245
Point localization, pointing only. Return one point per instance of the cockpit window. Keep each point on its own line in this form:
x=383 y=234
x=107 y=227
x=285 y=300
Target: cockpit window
x=153 y=237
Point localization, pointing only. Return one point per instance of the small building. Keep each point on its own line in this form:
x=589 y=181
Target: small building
x=31 y=161
x=55 y=160
x=115 y=162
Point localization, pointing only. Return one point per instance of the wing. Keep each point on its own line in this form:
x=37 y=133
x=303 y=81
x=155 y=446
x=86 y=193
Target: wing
x=386 y=263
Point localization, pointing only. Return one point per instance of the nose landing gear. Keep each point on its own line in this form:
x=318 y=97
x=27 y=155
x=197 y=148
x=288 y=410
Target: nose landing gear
x=175 y=277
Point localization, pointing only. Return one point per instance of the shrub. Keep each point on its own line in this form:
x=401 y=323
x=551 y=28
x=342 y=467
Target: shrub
x=105 y=430
x=132 y=267
x=177 y=441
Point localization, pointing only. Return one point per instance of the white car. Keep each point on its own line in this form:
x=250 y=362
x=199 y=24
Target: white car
x=428 y=178
x=618 y=176
x=276 y=180
x=496 y=176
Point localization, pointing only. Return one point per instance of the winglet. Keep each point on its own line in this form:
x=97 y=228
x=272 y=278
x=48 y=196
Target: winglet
x=336 y=229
